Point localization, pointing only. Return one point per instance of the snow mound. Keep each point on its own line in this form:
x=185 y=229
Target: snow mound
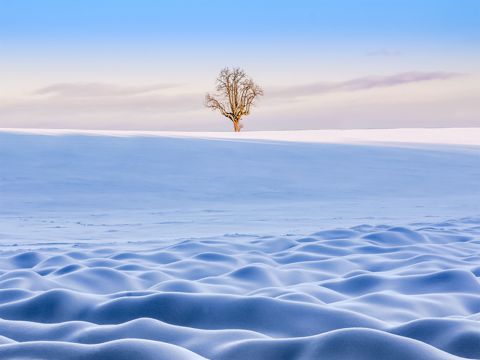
x=340 y=294
x=151 y=246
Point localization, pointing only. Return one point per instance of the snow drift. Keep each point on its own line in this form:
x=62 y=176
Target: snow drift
x=186 y=248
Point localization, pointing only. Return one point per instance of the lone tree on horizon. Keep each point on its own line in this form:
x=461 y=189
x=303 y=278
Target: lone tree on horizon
x=236 y=94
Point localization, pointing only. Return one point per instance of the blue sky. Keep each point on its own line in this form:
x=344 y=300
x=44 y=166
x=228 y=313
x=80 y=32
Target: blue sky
x=177 y=48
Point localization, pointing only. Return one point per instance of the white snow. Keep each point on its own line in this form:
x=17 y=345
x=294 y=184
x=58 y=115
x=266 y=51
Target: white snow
x=339 y=244
x=444 y=136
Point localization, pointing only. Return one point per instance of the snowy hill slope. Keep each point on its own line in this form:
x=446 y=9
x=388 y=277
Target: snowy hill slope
x=162 y=246
x=443 y=136
x=287 y=186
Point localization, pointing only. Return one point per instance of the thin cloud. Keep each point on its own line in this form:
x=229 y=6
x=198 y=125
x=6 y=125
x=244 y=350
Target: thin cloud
x=363 y=83
x=91 y=90
x=158 y=103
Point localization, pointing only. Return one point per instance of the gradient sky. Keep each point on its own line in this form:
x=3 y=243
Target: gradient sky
x=146 y=64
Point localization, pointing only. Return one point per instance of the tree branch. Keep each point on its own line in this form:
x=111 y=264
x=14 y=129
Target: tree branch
x=235 y=96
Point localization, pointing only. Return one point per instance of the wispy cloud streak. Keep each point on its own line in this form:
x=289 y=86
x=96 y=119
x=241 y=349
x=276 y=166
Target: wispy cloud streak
x=363 y=83
x=91 y=90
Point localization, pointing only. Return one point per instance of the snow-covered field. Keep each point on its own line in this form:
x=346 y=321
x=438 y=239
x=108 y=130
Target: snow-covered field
x=358 y=244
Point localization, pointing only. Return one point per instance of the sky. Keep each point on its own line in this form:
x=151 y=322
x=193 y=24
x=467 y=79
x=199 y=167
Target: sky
x=147 y=64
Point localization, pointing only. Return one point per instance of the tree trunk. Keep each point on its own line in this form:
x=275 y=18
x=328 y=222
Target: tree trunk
x=236 y=126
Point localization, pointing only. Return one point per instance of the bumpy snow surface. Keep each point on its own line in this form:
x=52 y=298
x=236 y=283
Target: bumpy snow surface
x=158 y=247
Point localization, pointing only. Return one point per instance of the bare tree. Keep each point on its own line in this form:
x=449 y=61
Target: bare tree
x=236 y=94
